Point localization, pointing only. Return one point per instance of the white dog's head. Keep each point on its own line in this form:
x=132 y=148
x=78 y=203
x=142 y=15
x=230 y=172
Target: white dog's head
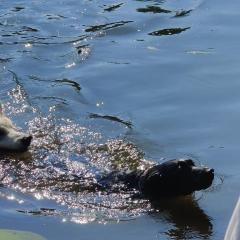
x=10 y=138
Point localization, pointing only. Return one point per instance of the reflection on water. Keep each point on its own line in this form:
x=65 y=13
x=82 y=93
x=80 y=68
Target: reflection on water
x=106 y=26
x=153 y=9
x=86 y=76
x=169 y=31
x=187 y=219
x=113 y=7
x=64 y=164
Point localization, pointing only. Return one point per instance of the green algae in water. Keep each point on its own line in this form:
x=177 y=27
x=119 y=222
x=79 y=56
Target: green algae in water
x=19 y=235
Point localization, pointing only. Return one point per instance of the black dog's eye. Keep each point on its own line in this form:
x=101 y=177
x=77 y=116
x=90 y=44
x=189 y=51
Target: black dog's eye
x=3 y=132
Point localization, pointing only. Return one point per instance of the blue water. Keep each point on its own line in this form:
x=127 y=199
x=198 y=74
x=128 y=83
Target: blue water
x=168 y=67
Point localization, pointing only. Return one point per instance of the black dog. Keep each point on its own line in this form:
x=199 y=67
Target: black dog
x=169 y=179
x=174 y=178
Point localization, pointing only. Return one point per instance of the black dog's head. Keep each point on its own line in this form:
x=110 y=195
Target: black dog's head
x=174 y=178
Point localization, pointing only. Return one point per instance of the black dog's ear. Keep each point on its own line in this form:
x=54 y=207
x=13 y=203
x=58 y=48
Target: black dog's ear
x=182 y=164
x=189 y=162
x=185 y=164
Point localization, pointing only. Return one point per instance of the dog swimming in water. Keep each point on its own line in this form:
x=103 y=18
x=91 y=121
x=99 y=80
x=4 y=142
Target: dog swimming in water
x=172 y=178
x=10 y=138
x=169 y=179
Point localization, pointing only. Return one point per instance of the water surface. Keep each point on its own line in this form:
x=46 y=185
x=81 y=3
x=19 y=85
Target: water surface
x=169 y=68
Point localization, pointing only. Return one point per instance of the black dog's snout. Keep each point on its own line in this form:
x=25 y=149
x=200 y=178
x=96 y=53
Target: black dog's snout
x=210 y=174
x=26 y=140
x=210 y=170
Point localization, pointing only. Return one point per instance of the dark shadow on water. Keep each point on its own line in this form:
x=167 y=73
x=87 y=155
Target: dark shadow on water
x=17 y=9
x=106 y=26
x=187 y=220
x=183 y=13
x=168 y=31
x=153 y=9
x=69 y=82
x=112 y=7
x=111 y=118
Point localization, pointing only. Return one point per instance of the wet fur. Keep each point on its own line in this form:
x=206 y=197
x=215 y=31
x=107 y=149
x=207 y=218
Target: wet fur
x=170 y=179
x=10 y=138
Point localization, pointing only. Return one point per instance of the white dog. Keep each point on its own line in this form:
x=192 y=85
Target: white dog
x=10 y=138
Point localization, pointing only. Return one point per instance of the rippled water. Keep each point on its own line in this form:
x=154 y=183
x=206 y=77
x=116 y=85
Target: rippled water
x=106 y=84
